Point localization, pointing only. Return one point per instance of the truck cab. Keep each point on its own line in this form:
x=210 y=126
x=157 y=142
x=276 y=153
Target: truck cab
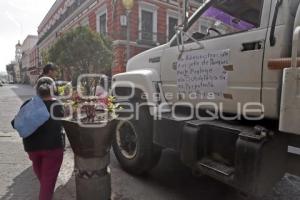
x=212 y=95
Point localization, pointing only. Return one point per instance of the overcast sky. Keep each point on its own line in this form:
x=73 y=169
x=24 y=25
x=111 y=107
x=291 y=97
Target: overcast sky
x=19 y=18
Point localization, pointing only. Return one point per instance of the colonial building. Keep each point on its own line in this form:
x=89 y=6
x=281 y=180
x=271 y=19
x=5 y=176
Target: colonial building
x=27 y=46
x=35 y=68
x=152 y=23
x=13 y=71
x=14 y=68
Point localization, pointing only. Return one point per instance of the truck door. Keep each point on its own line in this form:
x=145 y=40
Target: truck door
x=239 y=26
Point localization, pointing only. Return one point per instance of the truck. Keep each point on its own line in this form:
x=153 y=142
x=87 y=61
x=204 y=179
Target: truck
x=223 y=93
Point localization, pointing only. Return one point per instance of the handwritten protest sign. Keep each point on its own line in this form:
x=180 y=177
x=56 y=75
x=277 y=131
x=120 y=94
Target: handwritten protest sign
x=203 y=72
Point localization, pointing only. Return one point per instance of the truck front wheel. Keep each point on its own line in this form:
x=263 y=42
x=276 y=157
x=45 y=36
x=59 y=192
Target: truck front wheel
x=133 y=143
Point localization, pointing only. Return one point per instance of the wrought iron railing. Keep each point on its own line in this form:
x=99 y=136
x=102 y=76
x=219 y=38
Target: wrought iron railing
x=62 y=18
x=151 y=39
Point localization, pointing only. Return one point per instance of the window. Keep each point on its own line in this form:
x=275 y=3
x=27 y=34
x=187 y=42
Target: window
x=147 y=28
x=147 y=22
x=227 y=17
x=173 y=22
x=102 y=24
x=101 y=16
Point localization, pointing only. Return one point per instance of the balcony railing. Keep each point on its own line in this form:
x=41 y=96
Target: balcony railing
x=62 y=18
x=143 y=38
x=151 y=39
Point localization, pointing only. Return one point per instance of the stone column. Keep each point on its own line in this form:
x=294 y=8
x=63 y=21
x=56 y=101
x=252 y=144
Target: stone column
x=93 y=179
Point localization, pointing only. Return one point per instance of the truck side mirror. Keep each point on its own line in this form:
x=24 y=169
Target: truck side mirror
x=272 y=34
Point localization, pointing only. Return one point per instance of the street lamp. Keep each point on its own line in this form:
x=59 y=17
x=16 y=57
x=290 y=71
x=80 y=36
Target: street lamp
x=128 y=5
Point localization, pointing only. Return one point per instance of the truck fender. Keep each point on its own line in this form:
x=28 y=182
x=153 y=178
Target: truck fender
x=126 y=85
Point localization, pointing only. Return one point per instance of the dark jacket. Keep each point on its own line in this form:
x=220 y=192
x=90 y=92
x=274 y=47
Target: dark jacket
x=48 y=136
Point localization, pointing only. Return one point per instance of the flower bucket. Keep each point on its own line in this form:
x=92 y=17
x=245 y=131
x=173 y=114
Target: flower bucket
x=91 y=146
x=89 y=142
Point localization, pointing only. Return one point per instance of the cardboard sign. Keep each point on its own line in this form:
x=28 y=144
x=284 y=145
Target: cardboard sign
x=202 y=72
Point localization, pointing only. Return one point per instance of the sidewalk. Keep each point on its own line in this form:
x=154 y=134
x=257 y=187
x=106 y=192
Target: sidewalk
x=18 y=181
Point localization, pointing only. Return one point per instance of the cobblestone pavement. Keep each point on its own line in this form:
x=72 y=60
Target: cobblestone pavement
x=170 y=180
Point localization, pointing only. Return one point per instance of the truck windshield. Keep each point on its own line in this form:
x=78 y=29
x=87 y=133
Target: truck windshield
x=227 y=17
x=229 y=21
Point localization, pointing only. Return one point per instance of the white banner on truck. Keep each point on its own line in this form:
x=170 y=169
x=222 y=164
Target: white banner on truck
x=202 y=72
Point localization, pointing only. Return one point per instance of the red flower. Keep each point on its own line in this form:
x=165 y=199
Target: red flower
x=104 y=101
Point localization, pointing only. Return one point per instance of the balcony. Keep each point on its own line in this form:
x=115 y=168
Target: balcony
x=151 y=39
x=62 y=18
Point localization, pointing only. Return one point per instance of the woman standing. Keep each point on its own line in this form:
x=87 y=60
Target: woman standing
x=45 y=146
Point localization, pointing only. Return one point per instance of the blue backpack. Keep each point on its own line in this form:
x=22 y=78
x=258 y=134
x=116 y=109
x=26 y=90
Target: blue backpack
x=31 y=116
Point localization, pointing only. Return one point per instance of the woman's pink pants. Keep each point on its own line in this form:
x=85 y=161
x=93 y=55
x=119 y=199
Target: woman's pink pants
x=46 y=165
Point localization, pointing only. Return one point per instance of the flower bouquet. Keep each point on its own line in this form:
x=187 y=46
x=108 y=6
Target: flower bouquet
x=88 y=109
x=89 y=120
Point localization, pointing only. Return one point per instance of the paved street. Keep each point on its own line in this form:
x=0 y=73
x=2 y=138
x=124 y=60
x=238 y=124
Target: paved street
x=170 y=180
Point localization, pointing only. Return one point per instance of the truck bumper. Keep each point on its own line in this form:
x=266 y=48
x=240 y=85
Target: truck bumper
x=239 y=156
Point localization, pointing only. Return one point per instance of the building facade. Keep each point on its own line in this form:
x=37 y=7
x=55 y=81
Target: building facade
x=14 y=68
x=152 y=23
x=28 y=44
x=13 y=71
x=35 y=68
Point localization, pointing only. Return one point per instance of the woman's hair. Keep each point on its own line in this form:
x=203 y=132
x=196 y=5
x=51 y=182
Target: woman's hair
x=44 y=86
x=48 y=67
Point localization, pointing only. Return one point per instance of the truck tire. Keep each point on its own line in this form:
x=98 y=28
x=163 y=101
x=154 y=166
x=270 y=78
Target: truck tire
x=243 y=196
x=133 y=143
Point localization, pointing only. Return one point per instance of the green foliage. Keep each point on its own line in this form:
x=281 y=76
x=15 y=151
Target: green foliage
x=83 y=51
x=45 y=57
